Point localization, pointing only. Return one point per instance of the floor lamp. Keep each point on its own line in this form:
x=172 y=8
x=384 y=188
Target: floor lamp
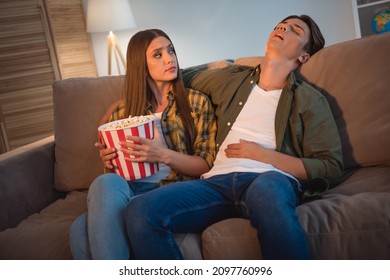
x=109 y=16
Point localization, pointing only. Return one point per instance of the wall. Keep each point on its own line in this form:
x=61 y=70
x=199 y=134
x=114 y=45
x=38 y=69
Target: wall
x=208 y=30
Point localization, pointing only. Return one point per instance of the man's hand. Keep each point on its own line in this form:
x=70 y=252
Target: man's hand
x=246 y=149
x=254 y=151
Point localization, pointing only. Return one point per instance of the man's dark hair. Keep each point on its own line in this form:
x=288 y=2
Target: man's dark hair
x=316 y=39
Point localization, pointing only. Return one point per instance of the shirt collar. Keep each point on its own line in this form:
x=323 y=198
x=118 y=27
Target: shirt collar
x=291 y=81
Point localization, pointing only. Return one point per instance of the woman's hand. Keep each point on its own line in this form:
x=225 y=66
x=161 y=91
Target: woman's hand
x=142 y=149
x=106 y=154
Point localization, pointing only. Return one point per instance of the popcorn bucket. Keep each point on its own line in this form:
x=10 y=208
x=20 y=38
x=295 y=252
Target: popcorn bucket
x=114 y=132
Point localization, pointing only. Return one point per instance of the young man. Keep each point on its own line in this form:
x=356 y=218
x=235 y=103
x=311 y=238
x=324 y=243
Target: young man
x=277 y=140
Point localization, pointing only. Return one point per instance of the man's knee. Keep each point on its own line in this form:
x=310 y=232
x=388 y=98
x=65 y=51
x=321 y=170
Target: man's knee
x=272 y=185
x=136 y=214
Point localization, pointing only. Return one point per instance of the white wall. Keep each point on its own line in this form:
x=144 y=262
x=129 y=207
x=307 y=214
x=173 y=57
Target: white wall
x=208 y=30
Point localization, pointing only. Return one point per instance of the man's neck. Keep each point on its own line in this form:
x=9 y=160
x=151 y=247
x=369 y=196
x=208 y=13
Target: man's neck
x=274 y=73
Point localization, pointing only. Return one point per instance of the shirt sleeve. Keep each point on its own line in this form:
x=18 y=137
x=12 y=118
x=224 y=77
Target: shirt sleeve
x=322 y=147
x=205 y=126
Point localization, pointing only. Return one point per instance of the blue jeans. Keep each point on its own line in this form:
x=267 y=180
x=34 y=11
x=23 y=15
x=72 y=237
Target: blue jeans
x=101 y=233
x=268 y=200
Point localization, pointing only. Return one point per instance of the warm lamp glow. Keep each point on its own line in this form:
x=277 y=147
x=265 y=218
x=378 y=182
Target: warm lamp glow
x=109 y=16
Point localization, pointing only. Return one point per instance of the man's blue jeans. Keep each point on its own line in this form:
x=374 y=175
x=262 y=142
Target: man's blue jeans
x=268 y=200
x=101 y=233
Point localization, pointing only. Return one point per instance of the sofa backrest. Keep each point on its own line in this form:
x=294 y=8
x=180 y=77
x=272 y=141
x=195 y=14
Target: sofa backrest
x=355 y=77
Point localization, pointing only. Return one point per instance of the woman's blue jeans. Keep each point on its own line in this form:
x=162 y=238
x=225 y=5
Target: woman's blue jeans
x=101 y=233
x=268 y=200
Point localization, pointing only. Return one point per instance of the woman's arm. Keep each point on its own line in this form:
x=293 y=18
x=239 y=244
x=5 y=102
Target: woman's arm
x=204 y=144
x=147 y=150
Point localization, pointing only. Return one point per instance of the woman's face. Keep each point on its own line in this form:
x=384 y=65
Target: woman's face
x=161 y=60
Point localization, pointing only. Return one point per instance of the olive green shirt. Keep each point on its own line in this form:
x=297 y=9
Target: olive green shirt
x=304 y=124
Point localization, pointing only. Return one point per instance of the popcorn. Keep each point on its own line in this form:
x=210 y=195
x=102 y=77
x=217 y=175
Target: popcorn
x=114 y=132
x=130 y=121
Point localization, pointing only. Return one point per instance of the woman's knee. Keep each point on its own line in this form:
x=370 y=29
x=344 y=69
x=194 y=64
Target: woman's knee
x=78 y=228
x=109 y=186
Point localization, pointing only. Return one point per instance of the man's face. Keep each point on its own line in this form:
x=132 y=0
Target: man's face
x=288 y=39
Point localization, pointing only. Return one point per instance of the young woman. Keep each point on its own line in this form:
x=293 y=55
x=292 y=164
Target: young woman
x=184 y=144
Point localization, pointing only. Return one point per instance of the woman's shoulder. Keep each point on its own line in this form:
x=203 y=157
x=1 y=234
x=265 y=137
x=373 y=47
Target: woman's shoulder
x=194 y=94
x=198 y=99
x=114 y=112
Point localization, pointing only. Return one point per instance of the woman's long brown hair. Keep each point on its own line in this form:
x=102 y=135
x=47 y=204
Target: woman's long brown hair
x=137 y=93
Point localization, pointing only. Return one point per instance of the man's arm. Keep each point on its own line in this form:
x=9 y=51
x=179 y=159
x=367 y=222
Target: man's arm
x=254 y=151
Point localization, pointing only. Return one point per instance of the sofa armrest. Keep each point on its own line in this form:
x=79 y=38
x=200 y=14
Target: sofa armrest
x=26 y=181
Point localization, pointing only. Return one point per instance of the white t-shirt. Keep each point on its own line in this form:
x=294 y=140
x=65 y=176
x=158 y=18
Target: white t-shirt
x=164 y=169
x=256 y=122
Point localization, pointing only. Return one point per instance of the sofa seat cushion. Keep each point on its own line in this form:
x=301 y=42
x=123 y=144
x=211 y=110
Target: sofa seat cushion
x=348 y=226
x=230 y=239
x=337 y=227
x=367 y=179
x=44 y=235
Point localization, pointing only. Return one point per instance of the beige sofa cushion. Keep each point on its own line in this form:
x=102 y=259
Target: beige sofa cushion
x=44 y=235
x=345 y=73
x=79 y=104
x=348 y=227
x=337 y=227
x=230 y=239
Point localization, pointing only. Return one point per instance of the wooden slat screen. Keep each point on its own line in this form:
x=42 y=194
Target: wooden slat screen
x=26 y=72
x=72 y=43
x=40 y=41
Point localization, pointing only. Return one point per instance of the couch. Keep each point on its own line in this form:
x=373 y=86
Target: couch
x=43 y=186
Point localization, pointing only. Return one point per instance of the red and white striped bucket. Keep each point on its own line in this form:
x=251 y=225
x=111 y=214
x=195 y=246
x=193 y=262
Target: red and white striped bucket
x=112 y=136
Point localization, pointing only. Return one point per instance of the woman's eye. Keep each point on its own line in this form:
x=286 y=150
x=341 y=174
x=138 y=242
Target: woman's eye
x=157 y=55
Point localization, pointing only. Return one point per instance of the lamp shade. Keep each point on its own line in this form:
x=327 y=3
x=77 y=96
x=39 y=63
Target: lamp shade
x=109 y=15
